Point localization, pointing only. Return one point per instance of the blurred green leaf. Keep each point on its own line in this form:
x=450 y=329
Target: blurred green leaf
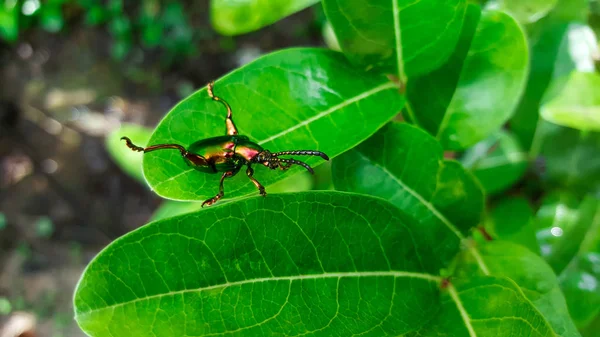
x=51 y=18
x=557 y=214
x=524 y=11
x=129 y=161
x=405 y=165
x=96 y=15
x=477 y=90
x=234 y=17
x=531 y=273
x=393 y=37
x=281 y=105
x=497 y=161
x=44 y=227
x=551 y=62
x=171 y=208
x=511 y=219
x=485 y=306
x=9 y=21
x=257 y=264
x=578 y=105
x=572 y=157
x=2 y=221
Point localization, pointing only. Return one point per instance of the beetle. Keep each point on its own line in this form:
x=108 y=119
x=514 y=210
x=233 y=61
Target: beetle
x=229 y=153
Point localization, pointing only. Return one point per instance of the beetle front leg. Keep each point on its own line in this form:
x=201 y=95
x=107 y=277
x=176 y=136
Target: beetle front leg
x=230 y=126
x=221 y=193
x=260 y=187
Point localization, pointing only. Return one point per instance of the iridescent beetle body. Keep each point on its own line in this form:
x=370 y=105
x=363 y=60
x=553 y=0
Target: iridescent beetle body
x=229 y=153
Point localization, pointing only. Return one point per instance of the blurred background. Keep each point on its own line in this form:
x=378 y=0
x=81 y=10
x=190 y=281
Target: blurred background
x=72 y=72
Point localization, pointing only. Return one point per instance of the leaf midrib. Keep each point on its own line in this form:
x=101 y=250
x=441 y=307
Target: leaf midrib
x=395 y=274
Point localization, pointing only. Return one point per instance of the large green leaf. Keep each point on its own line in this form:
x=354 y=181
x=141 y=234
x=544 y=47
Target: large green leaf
x=399 y=37
x=572 y=157
x=578 y=105
x=295 y=99
x=405 y=165
x=9 y=20
x=319 y=263
x=477 y=90
x=486 y=306
x=511 y=219
x=234 y=17
x=497 y=161
x=531 y=273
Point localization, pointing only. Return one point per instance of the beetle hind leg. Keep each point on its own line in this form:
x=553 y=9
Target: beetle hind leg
x=229 y=124
x=261 y=188
x=221 y=192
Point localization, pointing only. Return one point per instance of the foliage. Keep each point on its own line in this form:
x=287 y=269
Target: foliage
x=475 y=214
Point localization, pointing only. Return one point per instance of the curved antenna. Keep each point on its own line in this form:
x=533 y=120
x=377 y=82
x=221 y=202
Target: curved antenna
x=154 y=147
x=302 y=153
x=293 y=161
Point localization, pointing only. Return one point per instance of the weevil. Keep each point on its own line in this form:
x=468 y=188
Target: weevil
x=229 y=153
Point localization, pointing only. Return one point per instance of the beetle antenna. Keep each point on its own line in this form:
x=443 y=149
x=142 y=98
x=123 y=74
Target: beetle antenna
x=293 y=161
x=301 y=153
x=154 y=147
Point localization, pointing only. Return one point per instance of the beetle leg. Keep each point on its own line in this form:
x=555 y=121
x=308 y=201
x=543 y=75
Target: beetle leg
x=221 y=193
x=260 y=187
x=231 y=129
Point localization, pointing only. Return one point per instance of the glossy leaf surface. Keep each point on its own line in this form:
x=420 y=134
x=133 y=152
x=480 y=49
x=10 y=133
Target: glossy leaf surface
x=399 y=41
x=556 y=215
x=531 y=273
x=497 y=161
x=486 y=306
x=476 y=91
x=572 y=157
x=234 y=17
x=405 y=165
x=295 y=99
x=253 y=266
x=511 y=219
x=578 y=105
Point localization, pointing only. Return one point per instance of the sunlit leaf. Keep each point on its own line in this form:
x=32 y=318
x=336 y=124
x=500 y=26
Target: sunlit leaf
x=319 y=263
x=234 y=17
x=578 y=105
x=524 y=11
x=295 y=99
x=405 y=165
x=557 y=214
x=477 y=90
x=393 y=37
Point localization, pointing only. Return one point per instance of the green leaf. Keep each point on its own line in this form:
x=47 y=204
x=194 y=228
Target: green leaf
x=578 y=105
x=129 y=161
x=570 y=157
x=512 y=220
x=461 y=103
x=486 y=306
x=9 y=21
x=393 y=37
x=497 y=161
x=234 y=17
x=51 y=18
x=319 y=263
x=531 y=273
x=405 y=165
x=292 y=99
x=557 y=214
x=525 y=12
x=297 y=183
x=580 y=282
x=581 y=237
